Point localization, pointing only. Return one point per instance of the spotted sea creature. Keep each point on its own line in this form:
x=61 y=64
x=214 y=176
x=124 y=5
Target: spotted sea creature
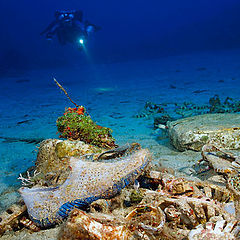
x=87 y=182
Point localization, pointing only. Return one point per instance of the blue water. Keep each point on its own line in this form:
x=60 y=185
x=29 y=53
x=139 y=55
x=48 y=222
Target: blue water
x=142 y=49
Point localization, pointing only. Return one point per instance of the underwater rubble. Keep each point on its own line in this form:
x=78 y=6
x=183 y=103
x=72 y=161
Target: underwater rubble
x=86 y=187
x=158 y=206
x=163 y=112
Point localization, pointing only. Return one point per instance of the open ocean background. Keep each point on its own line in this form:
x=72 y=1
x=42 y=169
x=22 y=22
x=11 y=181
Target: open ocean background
x=159 y=51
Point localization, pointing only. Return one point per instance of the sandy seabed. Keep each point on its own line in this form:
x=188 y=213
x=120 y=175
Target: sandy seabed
x=30 y=103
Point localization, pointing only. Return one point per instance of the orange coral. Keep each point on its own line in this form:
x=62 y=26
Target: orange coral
x=80 y=110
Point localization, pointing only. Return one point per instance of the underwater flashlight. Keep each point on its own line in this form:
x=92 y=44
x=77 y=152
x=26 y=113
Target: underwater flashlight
x=81 y=41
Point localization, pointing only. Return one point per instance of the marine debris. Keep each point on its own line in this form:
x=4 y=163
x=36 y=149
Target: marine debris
x=87 y=182
x=9 y=219
x=220 y=160
x=228 y=164
x=218 y=230
x=52 y=166
x=143 y=222
x=177 y=209
x=77 y=124
x=233 y=183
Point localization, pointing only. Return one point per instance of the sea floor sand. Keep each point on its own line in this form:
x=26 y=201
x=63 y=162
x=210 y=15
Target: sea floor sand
x=30 y=103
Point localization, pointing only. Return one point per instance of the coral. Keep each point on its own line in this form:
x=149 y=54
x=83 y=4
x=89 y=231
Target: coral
x=29 y=180
x=76 y=125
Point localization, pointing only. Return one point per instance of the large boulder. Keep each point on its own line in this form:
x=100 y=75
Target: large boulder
x=222 y=130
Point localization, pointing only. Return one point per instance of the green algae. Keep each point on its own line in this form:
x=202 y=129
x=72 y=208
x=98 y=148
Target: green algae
x=204 y=138
x=76 y=125
x=136 y=196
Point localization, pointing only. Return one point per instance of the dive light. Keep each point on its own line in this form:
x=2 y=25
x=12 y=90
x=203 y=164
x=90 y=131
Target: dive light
x=81 y=41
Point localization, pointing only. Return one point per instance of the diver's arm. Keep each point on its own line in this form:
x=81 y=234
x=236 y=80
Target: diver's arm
x=93 y=26
x=50 y=28
x=79 y=24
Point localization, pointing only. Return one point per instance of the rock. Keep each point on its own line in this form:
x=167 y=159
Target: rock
x=53 y=157
x=222 y=130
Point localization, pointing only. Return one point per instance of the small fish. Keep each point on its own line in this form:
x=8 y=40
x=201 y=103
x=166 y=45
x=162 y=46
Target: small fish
x=22 y=80
x=172 y=86
x=201 y=69
x=199 y=91
x=24 y=121
x=162 y=126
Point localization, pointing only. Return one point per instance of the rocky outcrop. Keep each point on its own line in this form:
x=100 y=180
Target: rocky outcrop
x=222 y=130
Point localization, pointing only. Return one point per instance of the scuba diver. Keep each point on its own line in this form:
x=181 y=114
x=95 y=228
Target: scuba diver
x=70 y=28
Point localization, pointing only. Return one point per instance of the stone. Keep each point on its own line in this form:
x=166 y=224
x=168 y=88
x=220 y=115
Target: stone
x=222 y=130
x=53 y=157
